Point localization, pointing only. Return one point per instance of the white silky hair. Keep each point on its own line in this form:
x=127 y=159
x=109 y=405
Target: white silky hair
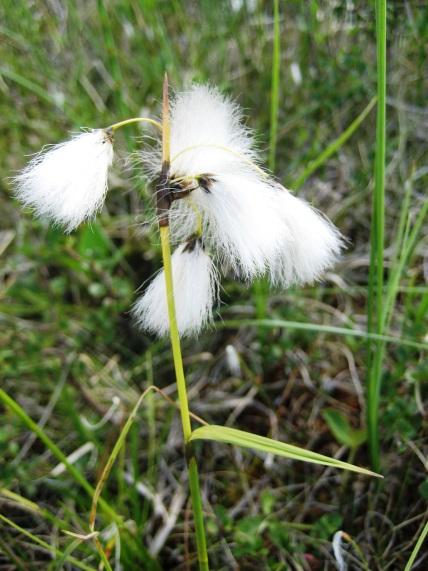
x=68 y=182
x=258 y=228
x=252 y=223
x=205 y=127
x=314 y=247
x=195 y=287
x=242 y=222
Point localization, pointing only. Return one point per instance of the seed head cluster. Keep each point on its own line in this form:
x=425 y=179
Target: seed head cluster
x=225 y=212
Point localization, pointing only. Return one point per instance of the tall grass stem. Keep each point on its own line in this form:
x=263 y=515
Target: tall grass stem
x=375 y=311
x=274 y=94
x=417 y=548
x=184 y=405
x=195 y=492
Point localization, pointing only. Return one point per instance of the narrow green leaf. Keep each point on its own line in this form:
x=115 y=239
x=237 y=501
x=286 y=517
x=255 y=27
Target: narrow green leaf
x=417 y=548
x=319 y=328
x=49 y=548
x=342 y=430
x=274 y=105
x=333 y=147
x=263 y=444
x=377 y=243
x=41 y=434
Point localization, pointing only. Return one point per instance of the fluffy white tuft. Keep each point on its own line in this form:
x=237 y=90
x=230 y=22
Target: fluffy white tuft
x=259 y=228
x=68 y=182
x=314 y=246
x=204 y=124
x=242 y=222
x=195 y=293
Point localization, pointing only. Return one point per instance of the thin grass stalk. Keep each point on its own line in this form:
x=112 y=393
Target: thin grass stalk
x=334 y=146
x=112 y=458
x=375 y=311
x=417 y=548
x=184 y=405
x=74 y=472
x=319 y=328
x=260 y=286
x=119 y=446
x=44 y=545
x=406 y=246
x=274 y=94
x=195 y=492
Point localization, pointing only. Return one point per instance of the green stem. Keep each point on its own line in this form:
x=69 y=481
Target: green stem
x=195 y=492
x=126 y=122
x=274 y=97
x=377 y=241
x=74 y=472
x=334 y=146
x=45 y=545
x=417 y=548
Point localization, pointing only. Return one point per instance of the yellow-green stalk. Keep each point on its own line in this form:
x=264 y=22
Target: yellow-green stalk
x=195 y=491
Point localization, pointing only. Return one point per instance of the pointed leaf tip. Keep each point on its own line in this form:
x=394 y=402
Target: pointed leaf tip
x=263 y=444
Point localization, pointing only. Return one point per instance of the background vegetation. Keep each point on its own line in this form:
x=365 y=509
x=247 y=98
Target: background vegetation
x=69 y=351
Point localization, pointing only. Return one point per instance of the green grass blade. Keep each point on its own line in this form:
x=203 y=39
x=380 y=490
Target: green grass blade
x=375 y=317
x=34 y=508
x=334 y=146
x=262 y=444
x=29 y=85
x=405 y=248
x=402 y=223
x=417 y=548
x=62 y=559
x=113 y=455
x=40 y=92
x=274 y=94
x=45 y=545
x=318 y=328
x=41 y=434
x=261 y=288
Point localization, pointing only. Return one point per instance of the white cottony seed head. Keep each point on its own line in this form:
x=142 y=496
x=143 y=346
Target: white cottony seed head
x=195 y=293
x=68 y=182
x=254 y=224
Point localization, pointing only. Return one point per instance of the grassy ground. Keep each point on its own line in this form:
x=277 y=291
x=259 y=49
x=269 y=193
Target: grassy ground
x=68 y=349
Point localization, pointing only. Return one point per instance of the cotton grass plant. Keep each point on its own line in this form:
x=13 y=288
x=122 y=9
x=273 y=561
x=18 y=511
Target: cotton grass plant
x=223 y=213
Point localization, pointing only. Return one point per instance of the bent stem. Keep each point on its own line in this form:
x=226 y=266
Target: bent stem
x=134 y=120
